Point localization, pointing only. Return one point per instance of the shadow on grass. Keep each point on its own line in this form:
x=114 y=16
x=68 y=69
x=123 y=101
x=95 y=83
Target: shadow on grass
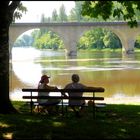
x=113 y=121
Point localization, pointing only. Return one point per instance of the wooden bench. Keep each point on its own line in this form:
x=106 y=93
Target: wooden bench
x=62 y=98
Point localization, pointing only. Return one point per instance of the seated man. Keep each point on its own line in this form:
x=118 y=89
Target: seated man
x=76 y=85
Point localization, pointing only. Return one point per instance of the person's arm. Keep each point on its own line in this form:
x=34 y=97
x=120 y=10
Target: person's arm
x=50 y=87
x=92 y=87
x=63 y=93
x=95 y=88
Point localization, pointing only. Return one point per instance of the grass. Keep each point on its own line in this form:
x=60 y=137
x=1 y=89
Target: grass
x=111 y=122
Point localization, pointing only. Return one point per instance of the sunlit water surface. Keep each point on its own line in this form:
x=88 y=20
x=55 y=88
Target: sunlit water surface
x=118 y=73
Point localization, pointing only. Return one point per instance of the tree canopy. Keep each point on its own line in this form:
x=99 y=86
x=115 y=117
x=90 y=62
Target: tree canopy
x=126 y=10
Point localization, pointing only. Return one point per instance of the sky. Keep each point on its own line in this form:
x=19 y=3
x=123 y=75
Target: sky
x=37 y=8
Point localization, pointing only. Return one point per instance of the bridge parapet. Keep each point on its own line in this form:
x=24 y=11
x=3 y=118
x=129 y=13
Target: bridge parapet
x=71 y=24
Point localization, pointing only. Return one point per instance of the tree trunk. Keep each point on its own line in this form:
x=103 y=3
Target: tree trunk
x=5 y=103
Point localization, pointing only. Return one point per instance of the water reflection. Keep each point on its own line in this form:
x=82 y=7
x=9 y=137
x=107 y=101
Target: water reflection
x=117 y=73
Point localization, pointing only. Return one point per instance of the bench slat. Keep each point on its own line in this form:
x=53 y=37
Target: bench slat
x=95 y=89
x=62 y=97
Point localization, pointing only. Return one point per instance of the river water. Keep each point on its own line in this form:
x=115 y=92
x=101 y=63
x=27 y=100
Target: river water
x=118 y=73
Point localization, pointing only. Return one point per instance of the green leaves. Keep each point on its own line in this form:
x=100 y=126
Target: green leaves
x=117 y=12
x=124 y=10
x=19 y=11
x=97 y=8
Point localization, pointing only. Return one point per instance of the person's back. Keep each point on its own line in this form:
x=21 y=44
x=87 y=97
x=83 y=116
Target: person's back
x=75 y=85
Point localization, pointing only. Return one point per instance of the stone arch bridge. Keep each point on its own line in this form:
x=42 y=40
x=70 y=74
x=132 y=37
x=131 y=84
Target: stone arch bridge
x=71 y=32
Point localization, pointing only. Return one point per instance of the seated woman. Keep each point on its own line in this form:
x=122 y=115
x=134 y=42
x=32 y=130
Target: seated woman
x=43 y=84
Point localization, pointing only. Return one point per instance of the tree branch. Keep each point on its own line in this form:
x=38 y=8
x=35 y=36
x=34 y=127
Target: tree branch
x=13 y=5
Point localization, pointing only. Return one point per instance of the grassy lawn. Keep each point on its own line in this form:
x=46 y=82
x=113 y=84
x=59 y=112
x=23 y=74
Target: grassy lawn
x=111 y=122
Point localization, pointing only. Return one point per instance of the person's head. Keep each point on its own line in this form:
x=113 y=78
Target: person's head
x=75 y=78
x=44 y=79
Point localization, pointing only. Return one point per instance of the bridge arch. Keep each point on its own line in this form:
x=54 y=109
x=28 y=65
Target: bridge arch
x=70 y=32
x=22 y=32
x=14 y=34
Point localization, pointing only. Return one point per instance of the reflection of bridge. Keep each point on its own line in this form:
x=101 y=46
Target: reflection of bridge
x=71 y=32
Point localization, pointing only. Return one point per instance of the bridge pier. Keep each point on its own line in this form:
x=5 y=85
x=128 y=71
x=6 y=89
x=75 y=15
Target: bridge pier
x=129 y=46
x=130 y=51
x=70 y=44
x=71 y=53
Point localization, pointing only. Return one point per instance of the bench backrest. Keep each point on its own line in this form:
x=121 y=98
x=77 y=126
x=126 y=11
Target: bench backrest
x=96 y=89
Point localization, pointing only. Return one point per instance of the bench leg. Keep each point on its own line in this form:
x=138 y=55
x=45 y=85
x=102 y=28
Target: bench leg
x=31 y=106
x=37 y=108
x=94 y=110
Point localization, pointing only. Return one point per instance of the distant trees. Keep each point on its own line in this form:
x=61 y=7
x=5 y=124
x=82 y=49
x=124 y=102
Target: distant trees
x=75 y=13
x=99 y=39
x=137 y=43
x=54 y=15
x=62 y=14
x=24 y=41
x=49 y=40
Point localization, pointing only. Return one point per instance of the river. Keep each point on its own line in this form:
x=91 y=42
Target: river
x=118 y=73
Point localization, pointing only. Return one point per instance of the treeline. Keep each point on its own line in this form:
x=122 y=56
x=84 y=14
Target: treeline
x=99 y=38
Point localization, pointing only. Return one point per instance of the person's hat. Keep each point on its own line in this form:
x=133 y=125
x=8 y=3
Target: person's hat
x=44 y=77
